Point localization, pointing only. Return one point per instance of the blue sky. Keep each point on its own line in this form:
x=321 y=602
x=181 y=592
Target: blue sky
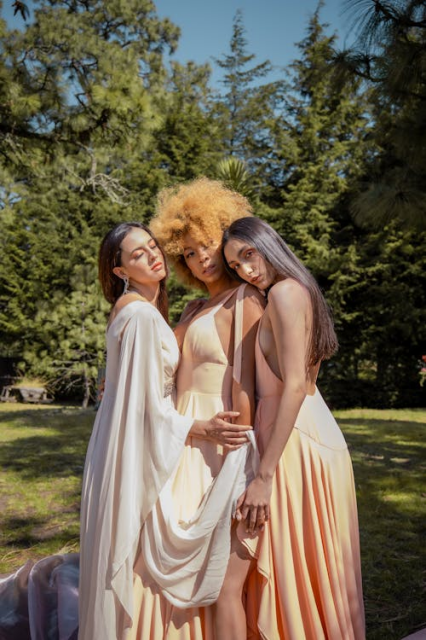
x=272 y=26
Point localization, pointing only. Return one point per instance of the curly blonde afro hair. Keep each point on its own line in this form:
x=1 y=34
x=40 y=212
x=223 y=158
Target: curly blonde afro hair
x=204 y=208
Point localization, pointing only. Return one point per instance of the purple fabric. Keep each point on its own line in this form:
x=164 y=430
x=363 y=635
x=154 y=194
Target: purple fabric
x=40 y=601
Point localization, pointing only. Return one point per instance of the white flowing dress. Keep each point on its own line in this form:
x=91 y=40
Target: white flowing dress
x=135 y=445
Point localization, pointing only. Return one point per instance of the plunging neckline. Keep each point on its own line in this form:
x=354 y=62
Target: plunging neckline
x=209 y=314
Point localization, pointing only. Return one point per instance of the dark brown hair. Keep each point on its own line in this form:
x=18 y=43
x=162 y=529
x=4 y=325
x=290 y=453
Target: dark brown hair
x=110 y=257
x=258 y=234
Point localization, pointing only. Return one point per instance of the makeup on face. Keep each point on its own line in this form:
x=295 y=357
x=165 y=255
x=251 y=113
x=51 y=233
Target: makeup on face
x=141 y=257
x=248 y=263
x=203 y=258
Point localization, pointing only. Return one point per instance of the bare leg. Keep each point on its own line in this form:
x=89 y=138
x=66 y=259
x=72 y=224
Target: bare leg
x=230 y=614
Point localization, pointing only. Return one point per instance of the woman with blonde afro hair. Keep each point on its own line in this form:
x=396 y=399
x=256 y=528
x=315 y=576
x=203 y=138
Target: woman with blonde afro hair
x=216 y=336
x=204 y=208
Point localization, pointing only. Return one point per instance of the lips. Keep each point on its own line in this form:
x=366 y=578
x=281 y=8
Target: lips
x=255 y=279
x=209 y=269
x=156 y=266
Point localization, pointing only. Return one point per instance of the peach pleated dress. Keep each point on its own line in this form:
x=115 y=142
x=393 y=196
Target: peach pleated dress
x=308 y=557
x=204 y=387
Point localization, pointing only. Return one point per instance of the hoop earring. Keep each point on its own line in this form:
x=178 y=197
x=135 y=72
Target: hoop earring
x=126 y=285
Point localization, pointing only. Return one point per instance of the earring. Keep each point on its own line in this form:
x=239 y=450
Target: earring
x=126 y=285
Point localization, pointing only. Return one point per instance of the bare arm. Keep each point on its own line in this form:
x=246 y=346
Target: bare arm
x=289 y=312
x=243 y=392
x=229 y=428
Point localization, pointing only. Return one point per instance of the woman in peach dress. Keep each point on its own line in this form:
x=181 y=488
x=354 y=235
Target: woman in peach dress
x=309 y=553
x=216 y=371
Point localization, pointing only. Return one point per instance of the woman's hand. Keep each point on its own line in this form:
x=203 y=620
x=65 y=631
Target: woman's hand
x=253 y=504
x=220 y=430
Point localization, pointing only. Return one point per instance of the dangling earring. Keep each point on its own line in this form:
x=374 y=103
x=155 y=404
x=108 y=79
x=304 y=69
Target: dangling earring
x=126 y=285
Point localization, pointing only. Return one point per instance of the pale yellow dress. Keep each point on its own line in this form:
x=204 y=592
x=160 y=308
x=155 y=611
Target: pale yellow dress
x=204 y=386
x=308 y=580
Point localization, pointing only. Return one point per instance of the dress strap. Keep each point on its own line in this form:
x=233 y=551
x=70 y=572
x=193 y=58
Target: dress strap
x=213 y=310
x=238 y=333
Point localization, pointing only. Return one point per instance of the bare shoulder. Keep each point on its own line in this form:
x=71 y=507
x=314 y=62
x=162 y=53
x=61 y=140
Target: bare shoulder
x=144 y=309
x=289 y=293
x=254 y=297
x=192 y=308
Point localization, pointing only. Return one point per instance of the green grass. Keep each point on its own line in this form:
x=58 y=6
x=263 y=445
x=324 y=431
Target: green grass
x=42 y=452
x=42 y=457
x=388 y=450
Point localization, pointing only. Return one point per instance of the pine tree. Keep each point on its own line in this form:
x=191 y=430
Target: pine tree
x=246 y=110
x=70 y=345
x=327 y=130
x=390 y=55
x=187 y=141
x=77 y=109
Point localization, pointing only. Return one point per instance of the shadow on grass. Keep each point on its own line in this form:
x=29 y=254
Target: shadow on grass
x=389 y=460
x=26 y=531
x=60 y=452
x=33 y=538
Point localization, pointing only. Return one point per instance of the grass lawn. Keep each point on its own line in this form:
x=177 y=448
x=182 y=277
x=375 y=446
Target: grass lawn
x=42 y=456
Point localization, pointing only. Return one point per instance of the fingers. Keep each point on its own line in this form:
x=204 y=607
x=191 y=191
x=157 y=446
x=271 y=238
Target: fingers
x=234 y=438
x=229 y=426
x=230 y=446
x=245 y=510
x=252 y=519
x=240 y=501
x=227 y=414
x=260 y=518
x=255 y=516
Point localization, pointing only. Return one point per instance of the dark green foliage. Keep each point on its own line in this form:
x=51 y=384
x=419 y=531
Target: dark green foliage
x=384 y=335
x=391 y=55
x=94 y=120
x=246 y=110
x=373 y=279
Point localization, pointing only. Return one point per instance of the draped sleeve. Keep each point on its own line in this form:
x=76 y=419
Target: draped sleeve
x=136 y=443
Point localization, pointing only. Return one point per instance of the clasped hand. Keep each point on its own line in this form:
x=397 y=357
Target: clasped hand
x=222 y=431
x=253 y=505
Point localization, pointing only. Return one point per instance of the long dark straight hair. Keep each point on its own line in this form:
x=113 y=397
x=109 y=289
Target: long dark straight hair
x=258 y=234
x=110 y=257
